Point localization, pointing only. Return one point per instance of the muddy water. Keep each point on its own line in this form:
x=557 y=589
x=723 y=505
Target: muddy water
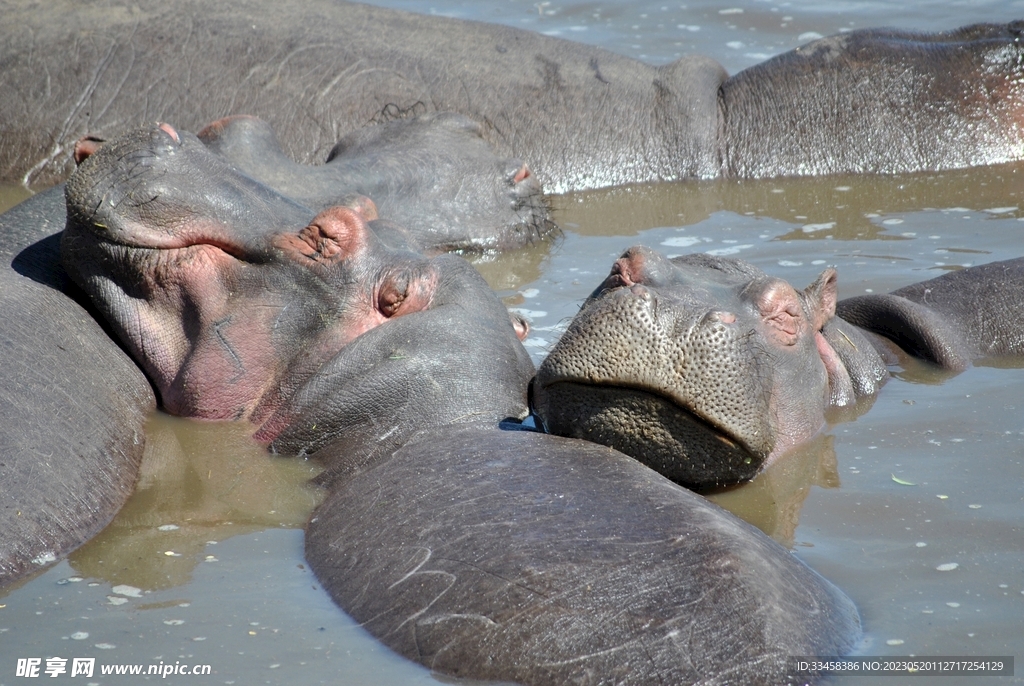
x=205 y=566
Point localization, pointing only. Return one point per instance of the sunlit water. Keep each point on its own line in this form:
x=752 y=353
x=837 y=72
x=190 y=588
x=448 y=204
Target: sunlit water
x=929 y=477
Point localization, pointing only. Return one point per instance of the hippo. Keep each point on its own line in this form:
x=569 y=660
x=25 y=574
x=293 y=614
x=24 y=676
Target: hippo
x=879 y=101
x=73 y=404
x=457 y=538
x=707 y=369
x=432 y=176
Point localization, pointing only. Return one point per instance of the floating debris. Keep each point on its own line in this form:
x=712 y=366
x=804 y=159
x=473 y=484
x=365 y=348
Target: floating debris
x=130 y=591
x=947 y=566
x=80 y=635
x=901 y=482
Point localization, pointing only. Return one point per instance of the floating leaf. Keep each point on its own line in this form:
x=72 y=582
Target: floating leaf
x=901 y=482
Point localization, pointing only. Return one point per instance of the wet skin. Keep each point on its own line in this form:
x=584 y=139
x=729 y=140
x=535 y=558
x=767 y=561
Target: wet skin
x=865 y=101
x=707 y=369
x=479 y=552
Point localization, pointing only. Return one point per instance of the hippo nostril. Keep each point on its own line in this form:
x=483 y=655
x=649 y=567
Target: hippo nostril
x=169 y=130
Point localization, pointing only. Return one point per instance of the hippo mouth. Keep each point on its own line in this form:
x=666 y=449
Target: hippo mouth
x=651 y=427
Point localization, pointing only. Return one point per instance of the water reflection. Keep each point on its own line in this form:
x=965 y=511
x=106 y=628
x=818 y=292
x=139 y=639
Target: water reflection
x=200 y=483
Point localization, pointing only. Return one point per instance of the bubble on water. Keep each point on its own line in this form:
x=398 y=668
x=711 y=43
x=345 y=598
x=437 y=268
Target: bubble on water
x=80 y=635
x=682 y=241
x=947 y=566
x=920 y=544
x=168 y=527
x=956 y=604
x=811 y=228
x=894 y=642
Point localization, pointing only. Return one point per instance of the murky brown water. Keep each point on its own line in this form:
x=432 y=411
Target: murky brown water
x=229 y=587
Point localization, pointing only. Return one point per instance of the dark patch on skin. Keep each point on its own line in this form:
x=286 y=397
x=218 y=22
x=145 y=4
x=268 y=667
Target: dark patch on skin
x=392 y=112
x=551 y=72
x=597 y=71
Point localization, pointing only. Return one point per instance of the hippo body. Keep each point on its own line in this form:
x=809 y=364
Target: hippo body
x=73 y=403
x=483 y=553
x=562 y=562
x=707 y=369
x=583 y=117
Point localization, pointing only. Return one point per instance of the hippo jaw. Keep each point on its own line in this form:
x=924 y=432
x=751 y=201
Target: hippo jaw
x=705 y=375
x=211 y=283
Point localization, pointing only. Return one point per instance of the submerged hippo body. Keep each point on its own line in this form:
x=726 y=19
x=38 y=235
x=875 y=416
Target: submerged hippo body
x=432 y=177
x=706 y=368
x=73 y=404
x=866 y=101
x=478 y=552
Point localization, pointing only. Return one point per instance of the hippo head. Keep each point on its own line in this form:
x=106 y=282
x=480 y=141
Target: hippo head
x=702 y=367
x=231 y=296
x=434 y=175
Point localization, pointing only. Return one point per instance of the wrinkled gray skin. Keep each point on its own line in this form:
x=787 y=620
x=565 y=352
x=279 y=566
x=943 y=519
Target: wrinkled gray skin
x=866 y=101
x=706 y=368
x=432 y=175
x=481 y=553
x=521 y=557
x=73 y=404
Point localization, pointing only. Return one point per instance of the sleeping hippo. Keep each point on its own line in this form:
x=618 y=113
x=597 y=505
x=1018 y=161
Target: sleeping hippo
x=433 y=177
x=480 y=552
x=707 y=369
x=864 y=101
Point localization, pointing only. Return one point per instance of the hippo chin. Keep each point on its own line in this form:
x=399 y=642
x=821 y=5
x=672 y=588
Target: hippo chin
x=479 y=552
x=707 y=369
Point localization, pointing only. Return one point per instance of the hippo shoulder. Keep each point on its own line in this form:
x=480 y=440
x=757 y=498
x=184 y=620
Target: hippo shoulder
x=72 y=437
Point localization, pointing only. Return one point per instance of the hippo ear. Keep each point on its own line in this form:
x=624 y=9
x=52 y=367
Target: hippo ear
x=86 y=147
x=334 y=235
x=821 y=297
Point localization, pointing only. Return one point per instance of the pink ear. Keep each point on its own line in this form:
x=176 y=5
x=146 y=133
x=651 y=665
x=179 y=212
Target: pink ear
x=86 y=147
x=821 y=298
x=333 y=236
